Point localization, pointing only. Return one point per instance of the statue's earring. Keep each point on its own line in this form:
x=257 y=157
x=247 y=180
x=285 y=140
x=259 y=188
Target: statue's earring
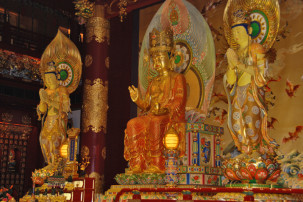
x=58 y=76
x=172 y=62
x=249 y=31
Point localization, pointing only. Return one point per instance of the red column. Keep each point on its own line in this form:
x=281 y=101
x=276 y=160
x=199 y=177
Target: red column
x=95 y=93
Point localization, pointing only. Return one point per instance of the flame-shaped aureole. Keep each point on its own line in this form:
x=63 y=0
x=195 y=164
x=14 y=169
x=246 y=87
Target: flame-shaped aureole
x=67 y=60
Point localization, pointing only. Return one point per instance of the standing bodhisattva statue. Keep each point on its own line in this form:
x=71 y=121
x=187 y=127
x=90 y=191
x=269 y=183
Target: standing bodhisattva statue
x=245 y=78
x=60 y=69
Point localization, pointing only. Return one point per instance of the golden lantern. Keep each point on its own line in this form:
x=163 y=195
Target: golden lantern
x=64 y=150
x=171 y=139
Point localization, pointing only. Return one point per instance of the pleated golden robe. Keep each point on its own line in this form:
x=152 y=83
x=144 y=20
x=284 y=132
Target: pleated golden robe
x=143 y=142
x=247 y=112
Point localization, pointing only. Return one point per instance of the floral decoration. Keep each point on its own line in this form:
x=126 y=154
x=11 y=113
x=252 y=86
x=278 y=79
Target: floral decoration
x=6 y=194
x=13 y=65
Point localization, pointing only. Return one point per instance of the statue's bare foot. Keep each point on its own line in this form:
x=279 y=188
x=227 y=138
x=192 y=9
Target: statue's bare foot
x=50 y=168
x=153 y=169
x=136 y=169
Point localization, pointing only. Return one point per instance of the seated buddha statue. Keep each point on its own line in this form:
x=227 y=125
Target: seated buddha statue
x=163 y=106
x=54 y=106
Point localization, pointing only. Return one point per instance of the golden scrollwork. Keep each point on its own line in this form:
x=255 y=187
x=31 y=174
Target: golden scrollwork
x=84 y=151
x=84 y=158
x=84 y=8
x=95 y=105
x=99 y=181
x=88 y=60
x=97 y=28
x=107 y=62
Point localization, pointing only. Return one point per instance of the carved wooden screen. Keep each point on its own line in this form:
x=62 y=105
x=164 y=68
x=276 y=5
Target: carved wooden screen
x=13 y=146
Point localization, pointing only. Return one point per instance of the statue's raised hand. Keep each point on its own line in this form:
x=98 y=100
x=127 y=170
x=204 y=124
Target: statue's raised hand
x=232 y=58
x=134 y=93
x=158 y=111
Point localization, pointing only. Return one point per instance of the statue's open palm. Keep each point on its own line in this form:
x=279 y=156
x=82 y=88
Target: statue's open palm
x=232 y=58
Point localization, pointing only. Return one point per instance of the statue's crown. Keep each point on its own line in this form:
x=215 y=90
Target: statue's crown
x=51 y=68
x=240 y=17
x=161 y=41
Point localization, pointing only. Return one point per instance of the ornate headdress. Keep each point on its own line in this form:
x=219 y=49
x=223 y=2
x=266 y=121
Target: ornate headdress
x=262 y=16
x=51 y=69
x=240 y=17
x=161 y=41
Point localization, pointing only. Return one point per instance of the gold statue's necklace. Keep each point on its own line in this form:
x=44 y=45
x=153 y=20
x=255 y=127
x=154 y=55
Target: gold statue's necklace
x=243 y=53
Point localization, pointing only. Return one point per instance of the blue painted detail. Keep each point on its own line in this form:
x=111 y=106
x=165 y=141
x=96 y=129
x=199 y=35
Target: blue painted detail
x=195 y=150
x=187 y=178
x=72 y=150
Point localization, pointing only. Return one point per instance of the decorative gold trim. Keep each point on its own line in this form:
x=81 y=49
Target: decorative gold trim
x=84 y=8
x=99 y=181
x=88 y=60
x=71 y=166
x=97 y=28
x=122 y=9
x=84 y=158
x=95 y=106
x=84 y=151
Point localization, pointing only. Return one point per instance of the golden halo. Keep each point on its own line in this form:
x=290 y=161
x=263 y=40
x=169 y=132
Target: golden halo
x=67 y=60
x=265 y=16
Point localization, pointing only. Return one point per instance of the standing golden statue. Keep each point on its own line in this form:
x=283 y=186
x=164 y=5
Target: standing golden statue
x=250 y=29
x=163 y=107
x=55 y=105
x=61 y=71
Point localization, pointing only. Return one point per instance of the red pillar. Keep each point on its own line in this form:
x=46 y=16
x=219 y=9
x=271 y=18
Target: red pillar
x=95 y=93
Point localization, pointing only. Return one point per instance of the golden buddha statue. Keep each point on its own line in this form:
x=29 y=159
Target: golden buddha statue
x=60 y=69
x=54 y=105
x=163 y=107
x=244 y=81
